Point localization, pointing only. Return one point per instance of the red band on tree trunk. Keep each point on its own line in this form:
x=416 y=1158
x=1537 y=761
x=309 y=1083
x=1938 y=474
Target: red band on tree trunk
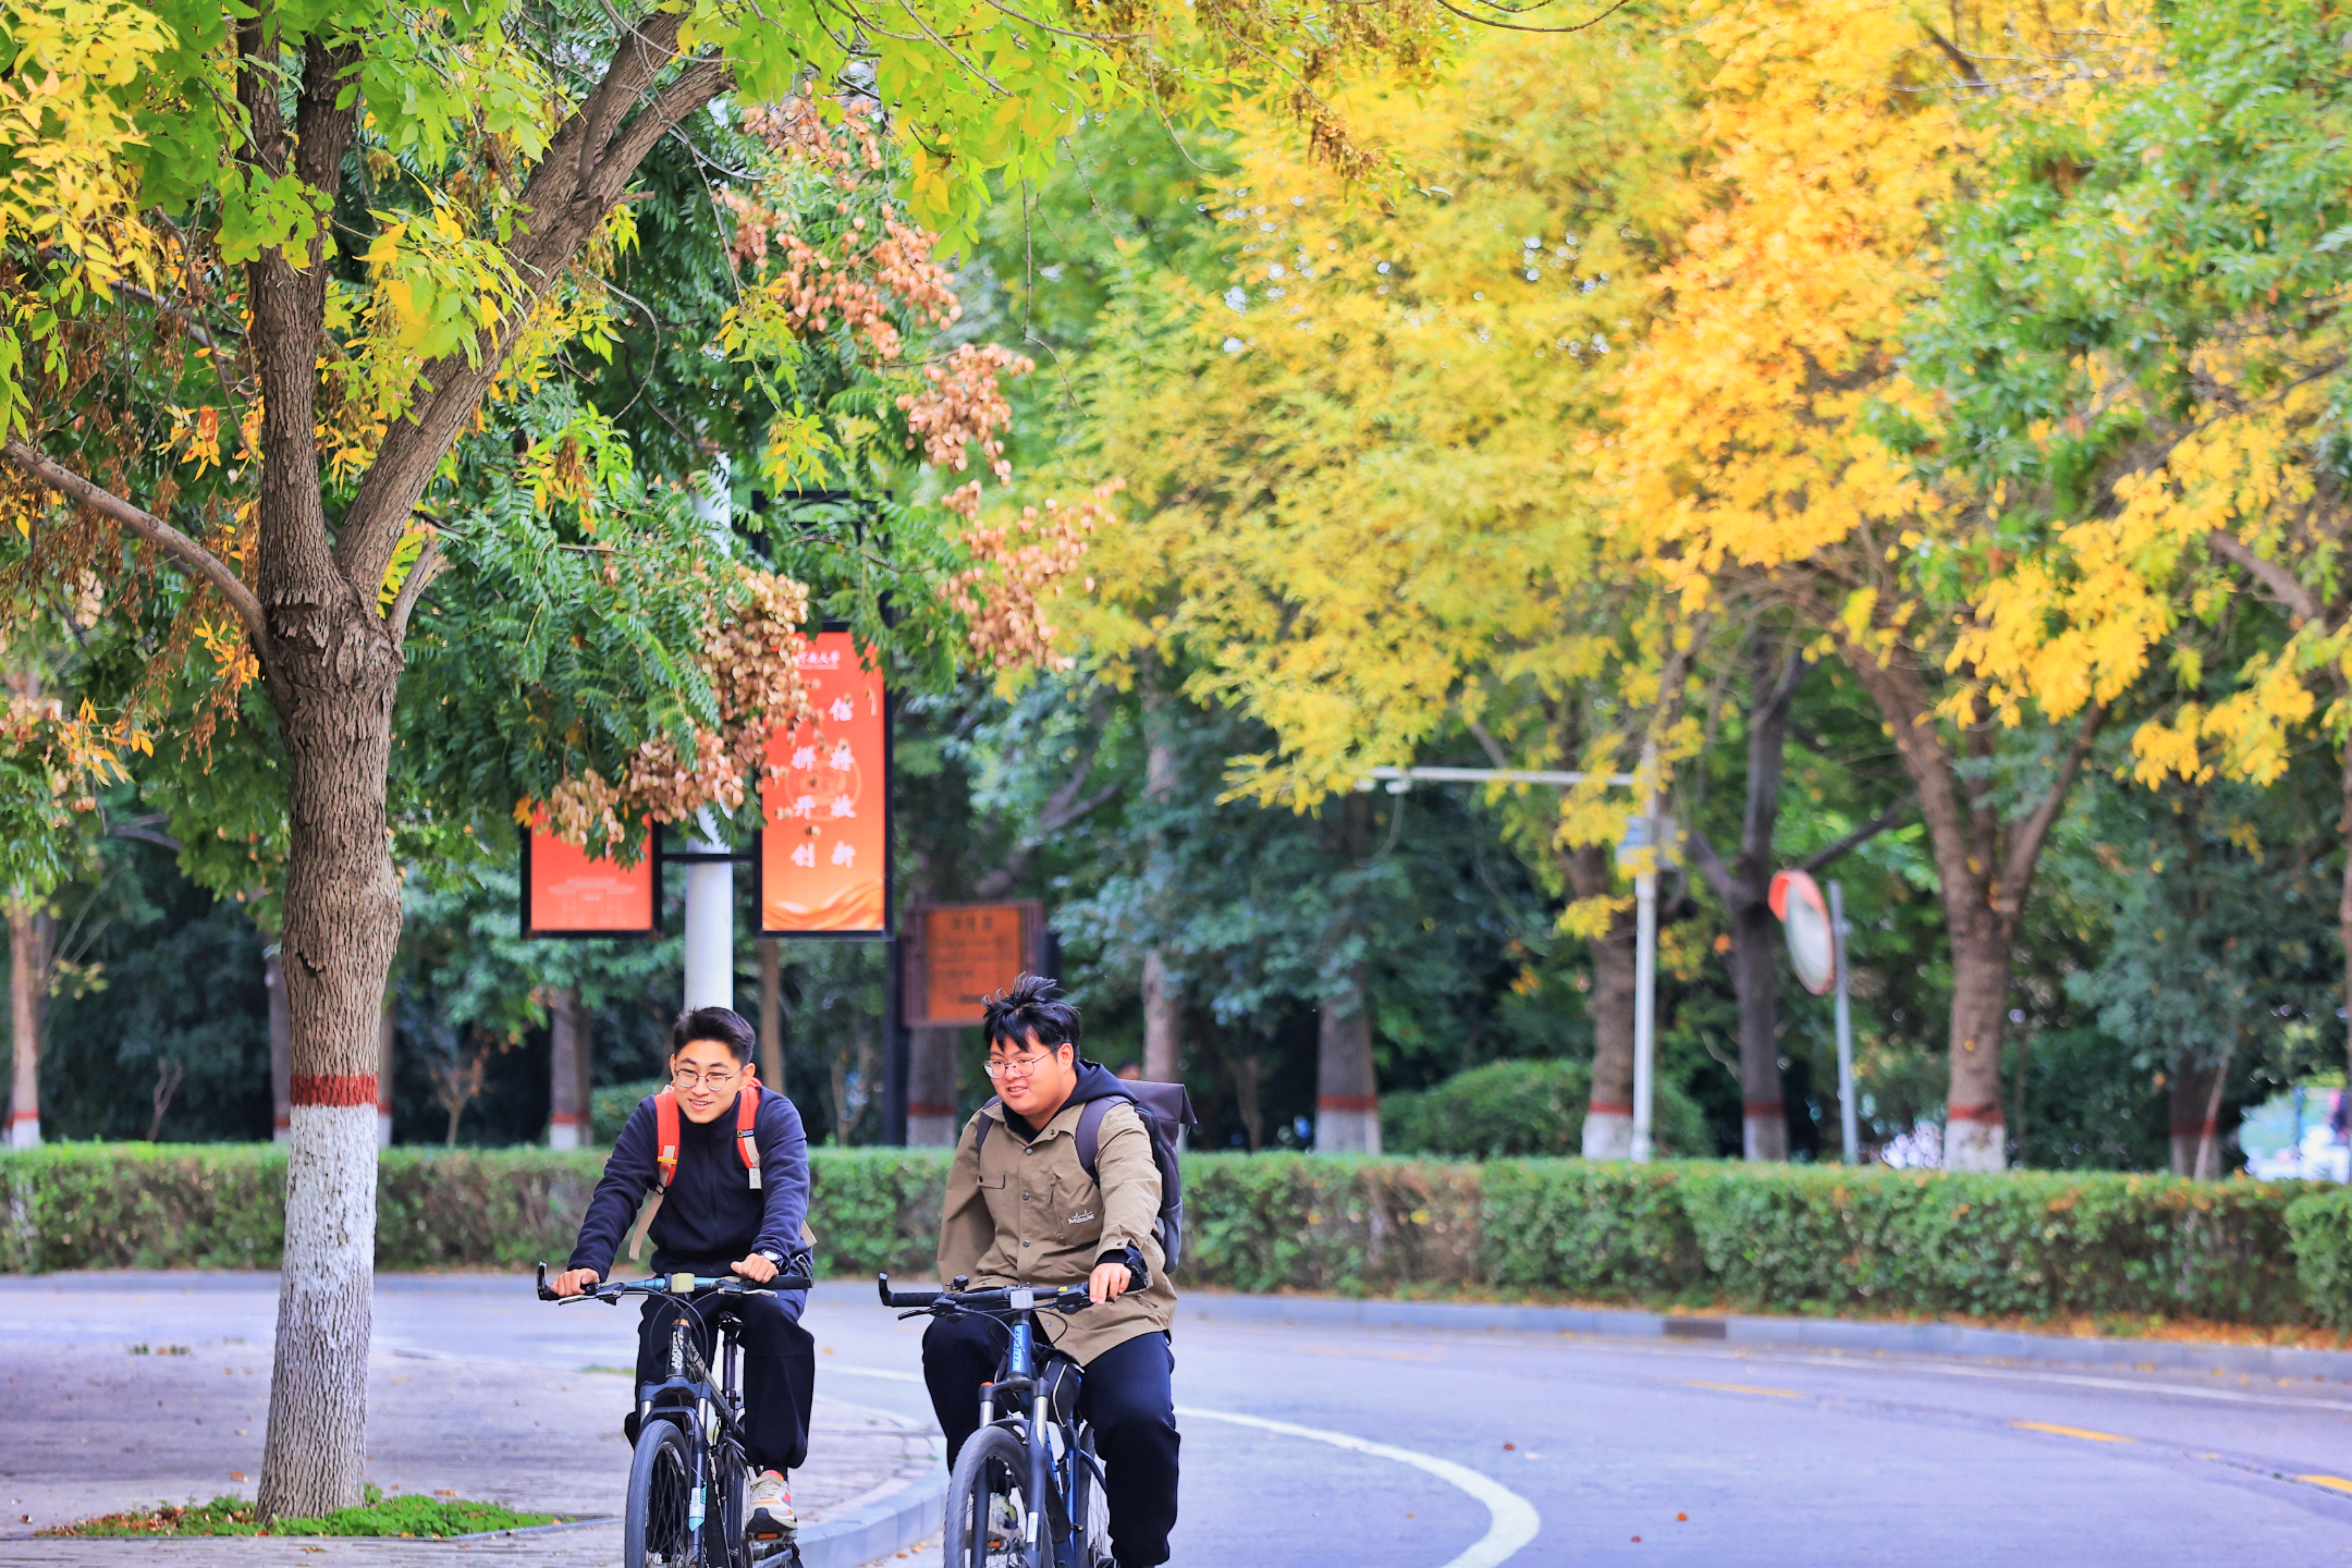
x=334 y=1088
x=1762 y=1108
x=2195 y=1129
x=1610 y=1108
x=926 y=1107
x=1347 y=1102
x=1987 y=1113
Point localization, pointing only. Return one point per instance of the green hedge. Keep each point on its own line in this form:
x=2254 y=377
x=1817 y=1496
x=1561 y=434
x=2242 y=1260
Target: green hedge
x=1512 y=1110
x=1768 y=1238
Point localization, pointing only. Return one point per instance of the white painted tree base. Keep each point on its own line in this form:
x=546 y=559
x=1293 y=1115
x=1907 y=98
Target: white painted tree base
x=563 y=1135
x=1759 y=1135
x=1347 y=1131
x=384 y=1129
x=315 y=1459
x=24 y=1133
x=932 y=1131
x=1608 y=1135
x=1975 y=1146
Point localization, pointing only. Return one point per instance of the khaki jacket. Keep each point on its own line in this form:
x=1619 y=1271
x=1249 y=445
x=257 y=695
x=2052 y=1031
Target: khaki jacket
x=1027 y=1214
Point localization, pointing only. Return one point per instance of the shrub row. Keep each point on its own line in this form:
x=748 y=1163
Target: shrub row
x=1516 y=1108
x=1780 y=1238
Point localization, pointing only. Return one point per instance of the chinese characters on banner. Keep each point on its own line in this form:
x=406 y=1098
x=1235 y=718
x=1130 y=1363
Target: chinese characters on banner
x=565 y=893
x=824 y=818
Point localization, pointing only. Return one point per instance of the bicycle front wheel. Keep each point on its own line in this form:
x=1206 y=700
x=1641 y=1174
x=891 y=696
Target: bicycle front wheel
x=992 y=1522
x=657 y=1530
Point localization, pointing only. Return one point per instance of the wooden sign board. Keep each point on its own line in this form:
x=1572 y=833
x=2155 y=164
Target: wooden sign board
x=958 y=954
x=824 y=811
x=567 y=893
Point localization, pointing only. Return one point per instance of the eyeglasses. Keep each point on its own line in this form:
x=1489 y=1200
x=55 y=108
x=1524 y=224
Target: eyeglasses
x=689 y=1080
x=1017 y=1066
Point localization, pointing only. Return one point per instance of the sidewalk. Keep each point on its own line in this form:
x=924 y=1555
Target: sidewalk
x=118 y=1429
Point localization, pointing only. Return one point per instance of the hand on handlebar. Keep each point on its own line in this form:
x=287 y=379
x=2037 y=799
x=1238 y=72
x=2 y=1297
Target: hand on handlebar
x=1109 y=1282
x=755 y=1269
x=572 y=1281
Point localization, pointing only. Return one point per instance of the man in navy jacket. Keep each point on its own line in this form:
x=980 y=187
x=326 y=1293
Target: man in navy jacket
x=714 y=1219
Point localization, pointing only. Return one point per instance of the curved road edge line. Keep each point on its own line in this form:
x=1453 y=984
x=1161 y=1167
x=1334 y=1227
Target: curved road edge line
x=1512 y=1518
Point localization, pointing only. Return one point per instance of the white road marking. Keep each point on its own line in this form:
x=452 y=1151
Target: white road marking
x=2007 y=1374
x=1512 y=1520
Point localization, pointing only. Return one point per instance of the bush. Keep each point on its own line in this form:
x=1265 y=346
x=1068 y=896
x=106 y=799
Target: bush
x=1511 y=1109
x=1783 y=1238
x=2321 y=1226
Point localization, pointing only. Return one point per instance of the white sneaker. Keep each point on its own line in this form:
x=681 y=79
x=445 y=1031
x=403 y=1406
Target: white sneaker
x=770 y=1505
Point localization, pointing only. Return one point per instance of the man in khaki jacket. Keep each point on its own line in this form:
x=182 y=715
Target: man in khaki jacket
x=1022 y=1210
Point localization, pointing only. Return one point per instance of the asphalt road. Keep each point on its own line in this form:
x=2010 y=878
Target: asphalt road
x=1319 y=1447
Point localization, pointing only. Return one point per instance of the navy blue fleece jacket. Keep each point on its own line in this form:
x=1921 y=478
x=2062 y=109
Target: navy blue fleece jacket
x=711 y=1216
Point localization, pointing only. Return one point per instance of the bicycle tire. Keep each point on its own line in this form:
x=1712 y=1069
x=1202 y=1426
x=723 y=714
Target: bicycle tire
x=988 y=1510
x=656 y=1527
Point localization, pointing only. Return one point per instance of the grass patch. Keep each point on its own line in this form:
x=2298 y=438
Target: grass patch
x=420 y=1518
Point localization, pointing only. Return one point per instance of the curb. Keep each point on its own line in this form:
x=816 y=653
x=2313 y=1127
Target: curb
x=912 y=1513
x=1956 y=1340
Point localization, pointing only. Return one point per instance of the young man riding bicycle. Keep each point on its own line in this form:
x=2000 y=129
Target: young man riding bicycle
x=729 y=1162
x=1023 y=1209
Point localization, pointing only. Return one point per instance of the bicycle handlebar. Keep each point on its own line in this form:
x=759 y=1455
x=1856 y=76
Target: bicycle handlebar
x=1003 y=1299
x=610 y=1291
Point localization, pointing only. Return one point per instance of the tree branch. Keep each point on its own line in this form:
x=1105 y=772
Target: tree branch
x=420 y=577
x=1710 y=865
x=1858 y=837
x=2290 y=594
x=2025 y=847
x=149 y=527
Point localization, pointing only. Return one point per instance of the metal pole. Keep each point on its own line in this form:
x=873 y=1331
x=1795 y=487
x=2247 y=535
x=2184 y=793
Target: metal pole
x=1848 y=1118
x=1645 y=966
x=710 y=885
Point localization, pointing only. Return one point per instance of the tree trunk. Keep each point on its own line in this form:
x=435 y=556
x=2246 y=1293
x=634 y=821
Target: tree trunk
x=1975 y=1138
x=1609 y=1118
x=932 y=1122
x=281 y=1047
x=28 y=987
x=771 y=1015
x=386 y=1038
x=1347 y=1091
x=567 y=1037
x=1763 y=1116
x=2344 y=902
x=2188 y=1090
x=1163 y=1024
x=332 y=673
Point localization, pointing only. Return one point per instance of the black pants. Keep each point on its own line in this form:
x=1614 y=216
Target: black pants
x=1128 y=1397
x=779 y=1369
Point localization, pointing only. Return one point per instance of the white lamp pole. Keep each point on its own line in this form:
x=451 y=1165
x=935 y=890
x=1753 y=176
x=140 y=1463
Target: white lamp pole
x=1848 y=1118
x=1645 y=963
x=710 y=884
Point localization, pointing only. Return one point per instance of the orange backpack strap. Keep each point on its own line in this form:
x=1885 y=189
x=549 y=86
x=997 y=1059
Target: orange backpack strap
x=665 y=1133
x=665 y=1156
x=747 y=1119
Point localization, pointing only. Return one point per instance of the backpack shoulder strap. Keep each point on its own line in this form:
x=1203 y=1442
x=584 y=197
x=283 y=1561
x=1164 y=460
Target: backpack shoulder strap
x=666 y=1135
x=1090 y=1133
x=747 y=1123
x=979 y=1133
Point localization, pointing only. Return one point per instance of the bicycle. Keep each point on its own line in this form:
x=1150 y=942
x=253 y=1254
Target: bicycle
x=1034 y=1464
x=687 y=1478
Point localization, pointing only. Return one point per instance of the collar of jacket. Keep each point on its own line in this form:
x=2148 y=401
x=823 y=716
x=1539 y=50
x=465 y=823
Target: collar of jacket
x=1096 y=1081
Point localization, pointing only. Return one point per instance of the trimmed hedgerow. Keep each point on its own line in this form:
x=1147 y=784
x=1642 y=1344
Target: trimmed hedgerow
x=1783 y=1238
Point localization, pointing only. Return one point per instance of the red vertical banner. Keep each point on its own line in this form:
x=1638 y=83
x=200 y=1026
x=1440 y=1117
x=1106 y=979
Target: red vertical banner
x=566 y=893
x=824 y=811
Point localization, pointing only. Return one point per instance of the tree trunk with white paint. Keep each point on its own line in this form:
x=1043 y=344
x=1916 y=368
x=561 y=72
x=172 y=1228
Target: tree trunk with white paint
x=28 y=987
x=567 y=1032
x=1609 y=1004
x=1347 y=1088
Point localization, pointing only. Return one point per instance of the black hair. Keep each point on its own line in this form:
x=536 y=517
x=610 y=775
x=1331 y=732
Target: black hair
x=1032 y=1004
x=720 y=1025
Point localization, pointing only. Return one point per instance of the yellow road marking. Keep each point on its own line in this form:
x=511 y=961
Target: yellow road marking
x=2085 y=1433
x=1746 y=1388
x=2333 y=1483
x=1373 y=1355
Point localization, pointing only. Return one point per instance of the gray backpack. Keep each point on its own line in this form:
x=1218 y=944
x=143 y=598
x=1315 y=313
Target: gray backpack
x=1166 y=1111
